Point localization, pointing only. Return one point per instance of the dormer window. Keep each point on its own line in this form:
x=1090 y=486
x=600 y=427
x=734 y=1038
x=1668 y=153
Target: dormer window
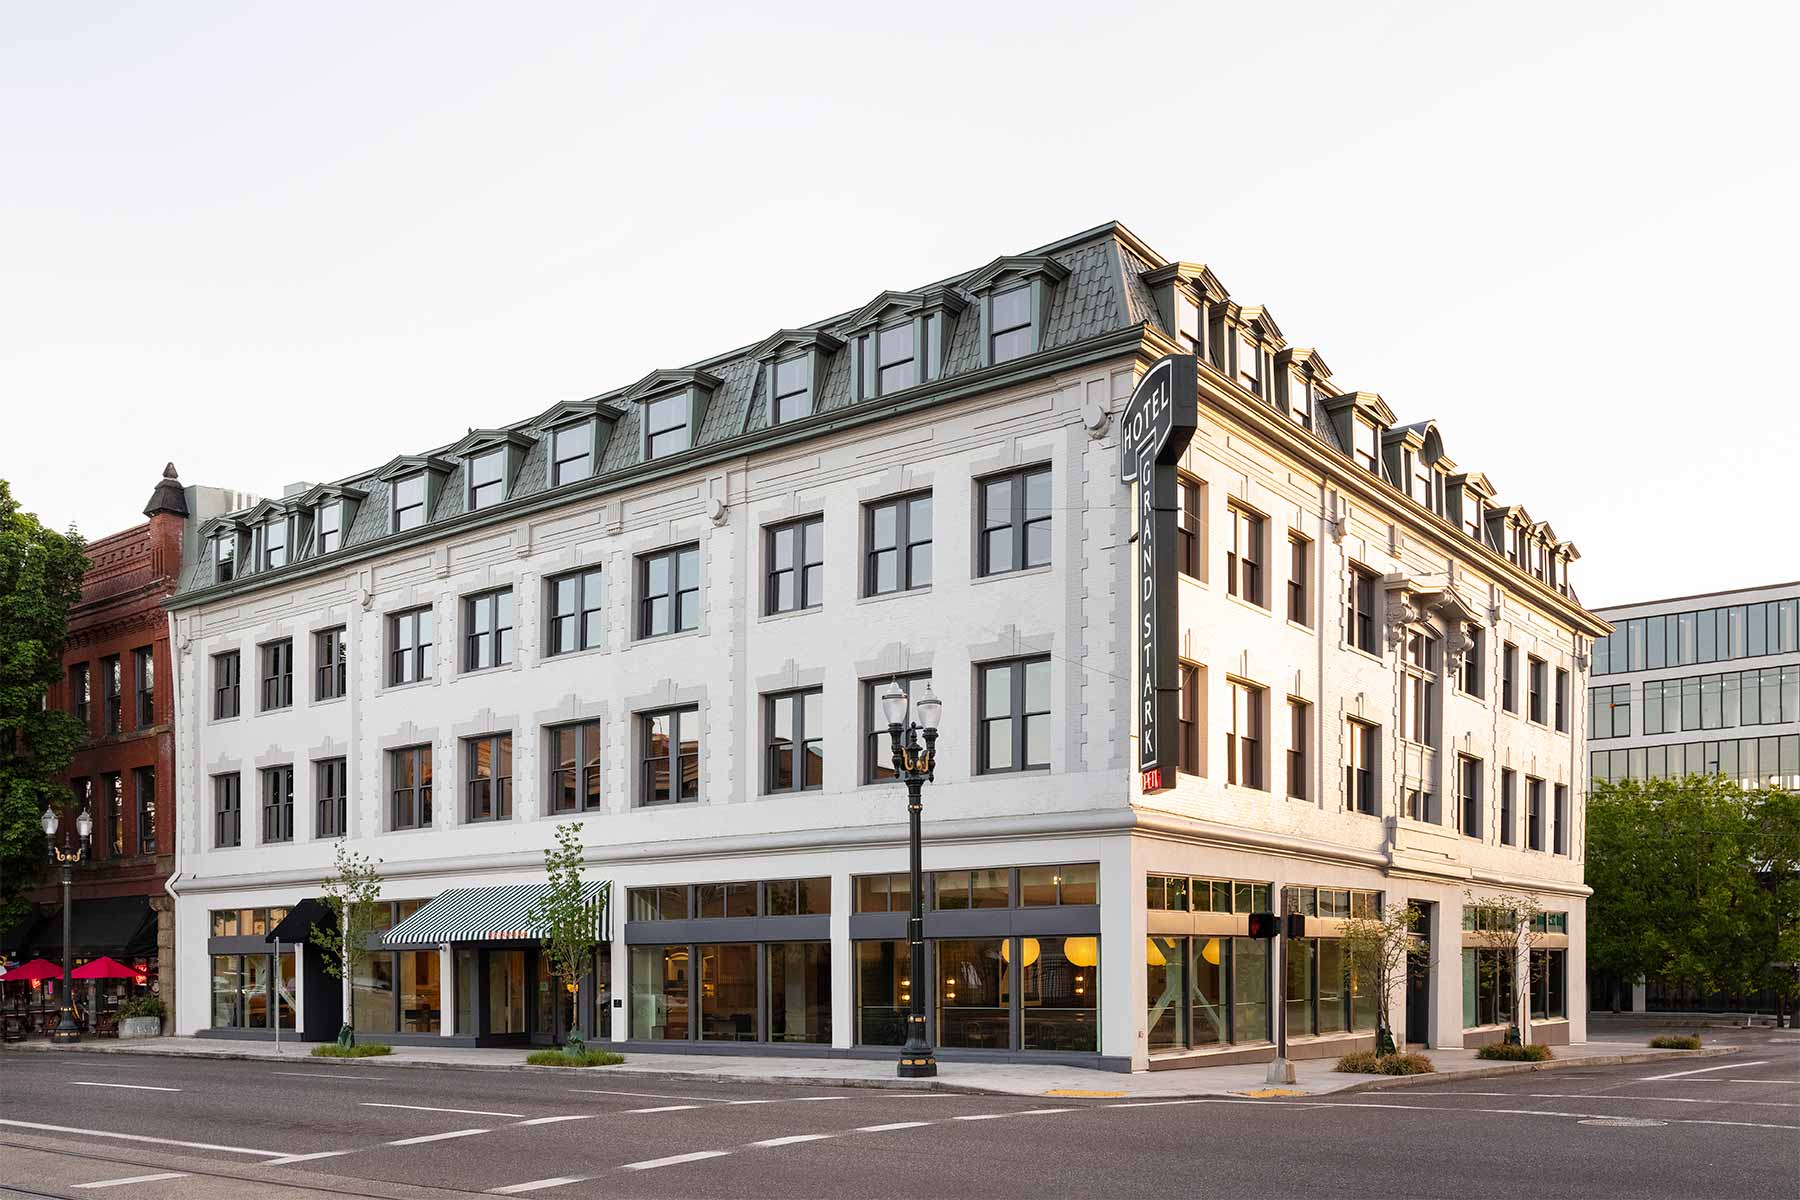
x=1009 y=324
x=1424 y=484
x=1363 y=442
x=1188 y=333
x=1474 y=519
x=330 y=526
x=224 y=557
x=1299 y=400
x=409 y=502
x=487 y=479
x=666 y=426
x=793 y=396
x=1249 y=363
x=896 y=358
x=275 y=544
x=571 y=453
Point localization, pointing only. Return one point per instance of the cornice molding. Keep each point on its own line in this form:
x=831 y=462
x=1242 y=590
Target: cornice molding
x=410 y=464
x=661 y=383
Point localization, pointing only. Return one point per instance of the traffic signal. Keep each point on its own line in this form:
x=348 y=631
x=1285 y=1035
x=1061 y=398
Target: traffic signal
x=1264 y=925
x=1296 y=925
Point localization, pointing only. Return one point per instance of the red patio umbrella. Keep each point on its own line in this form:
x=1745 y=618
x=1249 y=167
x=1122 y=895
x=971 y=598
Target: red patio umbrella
x=104 y=968
x=37 y=968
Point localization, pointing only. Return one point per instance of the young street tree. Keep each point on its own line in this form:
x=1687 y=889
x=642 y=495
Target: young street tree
x=1381 y=949
x=350 y=893
x=569 y=913
x=1510 y=925
x=40 y=579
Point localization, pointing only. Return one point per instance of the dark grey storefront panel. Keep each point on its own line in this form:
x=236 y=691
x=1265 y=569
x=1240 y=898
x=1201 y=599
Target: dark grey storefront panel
x=729 y=929
x=1067 y=919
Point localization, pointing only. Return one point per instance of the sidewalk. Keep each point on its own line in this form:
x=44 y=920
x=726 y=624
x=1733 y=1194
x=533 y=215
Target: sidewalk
x=1315 y=1077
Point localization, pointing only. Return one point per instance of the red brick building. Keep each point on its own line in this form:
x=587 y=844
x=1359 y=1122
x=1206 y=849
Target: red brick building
x=116 y=673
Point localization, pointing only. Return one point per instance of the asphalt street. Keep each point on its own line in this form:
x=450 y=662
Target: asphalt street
x=75 y=1125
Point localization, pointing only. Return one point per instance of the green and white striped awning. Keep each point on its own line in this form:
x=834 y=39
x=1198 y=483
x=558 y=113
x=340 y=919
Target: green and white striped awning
x=483 y=914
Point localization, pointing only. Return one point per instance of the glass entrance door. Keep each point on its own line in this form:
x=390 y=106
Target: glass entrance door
x=506 y=991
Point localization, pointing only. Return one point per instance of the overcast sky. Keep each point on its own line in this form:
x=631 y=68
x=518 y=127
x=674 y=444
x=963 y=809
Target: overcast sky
x=281 y=242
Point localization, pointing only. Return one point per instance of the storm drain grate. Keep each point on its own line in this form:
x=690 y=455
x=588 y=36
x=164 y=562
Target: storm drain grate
x=1624 y=1122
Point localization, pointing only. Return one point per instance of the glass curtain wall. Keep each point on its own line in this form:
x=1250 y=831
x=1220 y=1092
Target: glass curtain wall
x=800 y=992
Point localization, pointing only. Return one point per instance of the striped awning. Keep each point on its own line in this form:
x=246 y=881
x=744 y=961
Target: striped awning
x=484 y=914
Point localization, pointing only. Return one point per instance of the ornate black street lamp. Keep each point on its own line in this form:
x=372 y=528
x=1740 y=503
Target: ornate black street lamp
x=66 y=1028
x=915 y=756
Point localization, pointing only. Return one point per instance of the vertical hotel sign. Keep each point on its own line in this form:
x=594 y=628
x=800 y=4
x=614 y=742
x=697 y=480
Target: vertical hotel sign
x=1158 y=423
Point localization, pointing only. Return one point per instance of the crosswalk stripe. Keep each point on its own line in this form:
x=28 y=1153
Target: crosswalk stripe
x=106 y=1183
x=793 y=1138
x=650 y=1164
x=437 y=1137
x=536 y=1185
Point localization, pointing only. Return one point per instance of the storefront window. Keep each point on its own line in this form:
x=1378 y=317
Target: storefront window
x=285 y=993
x=421 y=1008
x=1300 y=987
x=659 y=993
x=800 y=992
x=973 y=995
x=1207 y=993
x=372 y=995
x=1249 y=990
x=883 y=992
x=602 y=991
x=1058 y=998
x=728 y=992
x=1164 y=985
x=256 y=990
x=227 y=991
x=1333 y=980
x=468 y=990
x=1549 y=975
x=1487 y=987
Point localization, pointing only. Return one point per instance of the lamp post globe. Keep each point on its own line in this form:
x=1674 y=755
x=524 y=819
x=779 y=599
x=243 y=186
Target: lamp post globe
x=49 y=821
x=67 y=1030
x=915 y=753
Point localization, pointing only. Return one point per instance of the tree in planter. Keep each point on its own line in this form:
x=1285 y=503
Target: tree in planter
x=40 y=578
x=351 y=894
x=569 y=915
x=1381 y=949
x=1511 y=925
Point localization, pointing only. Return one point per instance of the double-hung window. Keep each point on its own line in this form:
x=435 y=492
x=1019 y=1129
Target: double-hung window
x=328 y=527
x=488 y=630
x=666 y=426
x=278 y=804
x=228 y=816
x=670 y=745
x=1015 y=716
x=1361 y=610
x=143 y=783
x=225 y=685
x=793 y=389
x=487 y=479
x=1418 y=689
x=1534 y=813
x=1509 y=788
x=1562 y=700
x=1536 y=684
x=1468 y=666
x=796 y=558
x=1009 y=324
x=1559 y=820
x=331 y=781
x=1359 y=768
x=1299 y=584
x=573 y=603
x=409 y=502
x=143 y=670
x=1249 y=364
x=1244 y=555
x=331 y=663
x=669 y=591
x=1187 y=746
x=1244 y=737
x=81 y=693
x=277 y=674
x=796 y=741
x=1015 y=521
x=488 y=763
x=574 y=752
x=410 y=654
x=112 y=687
x=224 y=557
x=1469 y=795
x=1189 y=550
x=878 y=765
x=899 y=545
x=275 y=544
x=571 y=453
x=409 y=787
x=896 y=358
x=1509 y=678
x=1299 y=752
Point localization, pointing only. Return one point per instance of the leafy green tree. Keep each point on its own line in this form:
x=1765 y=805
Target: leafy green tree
x=351 y=894
x=40 y=579
x=569 y=916
x=1380 y=950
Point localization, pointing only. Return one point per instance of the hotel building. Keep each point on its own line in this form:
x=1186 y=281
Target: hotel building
x=668 y=612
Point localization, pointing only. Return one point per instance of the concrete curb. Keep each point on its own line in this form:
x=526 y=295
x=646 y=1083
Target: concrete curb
x=1387 y=1083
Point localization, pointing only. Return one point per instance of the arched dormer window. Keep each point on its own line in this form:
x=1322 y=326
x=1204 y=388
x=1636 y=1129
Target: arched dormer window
x=793 y=363
x=900 y=340
x=672 y=407
x=1013 y=294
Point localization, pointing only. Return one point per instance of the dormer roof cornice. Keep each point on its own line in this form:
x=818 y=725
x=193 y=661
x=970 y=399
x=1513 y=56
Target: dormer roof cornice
x=1261 y=322
x=1016 y=266
x=790 y=341
x=412 y=464
x=661 y=383
x=1475 y=482
x=263 y=511
x=570 y=411
x=477 y=440
x=324 y=493
x=1369 y=404
x=1306 y=357
x=1197 y=276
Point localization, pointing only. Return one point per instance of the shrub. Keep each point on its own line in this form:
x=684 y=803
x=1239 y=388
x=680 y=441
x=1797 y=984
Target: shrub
x=563 y=1058
x=1509 y=1052
x=360 y=1050
x=143 y=1006
x=1367 y=1062
x=1675 y=1041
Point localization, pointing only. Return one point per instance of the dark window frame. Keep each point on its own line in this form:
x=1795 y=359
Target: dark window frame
x=670 y=760
x=416 y=660
x=228 y=810
x=143 y=791
x=1016 y=713
x=904 y=545
x=331 y=790
x=275 y=674
x=1244 y=748
x=495 y=642
x=486 y=493
x=1189 y=677
x=1299 y=751
x=1361 y=782
x=1017 y=521
x=796 y=747
x=112 y=698
x=277 y=786
x=672 y=557
x=585 y=617
x=227 y=673
x=1299 y=582
x=331 y=662
x=587 y=738
x=878 y=765
x=995 y=332
x=684 y=400
x=401 y=513
x=1362 y=632
x=1246 y=554
x=1509 y=794
x=1190 y=542
x=409 y=807
x=559 y=460
x=143 y=677
x=497 y=792
x=802 y=533
x=1469 y=806
x=81 y=694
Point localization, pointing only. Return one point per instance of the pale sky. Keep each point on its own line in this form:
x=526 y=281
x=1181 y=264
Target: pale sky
x=282 y=242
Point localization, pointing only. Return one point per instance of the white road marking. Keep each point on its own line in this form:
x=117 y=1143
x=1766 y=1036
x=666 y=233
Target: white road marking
x=1199 y=1100
x=138 y=1137
x=664 y=1108
x=1732 y=1066
x=324 y=1075
x=467 y=1112
x=650 y=1095
x=1631 y=1099
x=134 y=1087
x=437 y=1137
x=559 y=1120
x=982 y=1117
x=1540 y=1112
x=106 y=1183
x=793 y=1138
x=285 y=1159
x=650 y=1164
x=892 y=1125
x=536 y=1185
